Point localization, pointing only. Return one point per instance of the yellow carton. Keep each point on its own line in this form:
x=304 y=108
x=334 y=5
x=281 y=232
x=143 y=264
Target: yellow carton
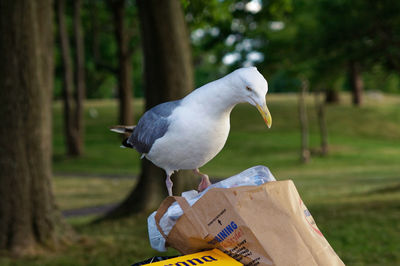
x=213 y=257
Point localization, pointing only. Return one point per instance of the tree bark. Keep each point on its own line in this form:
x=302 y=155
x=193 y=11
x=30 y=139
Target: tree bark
x=29 y=219
x=305 y=151
x=80 y=83
x=332 y=96
x=124 y=71
x=73 y=78
x=68 y=81
x=168 y=75
x=356 y=83
x=323 y=131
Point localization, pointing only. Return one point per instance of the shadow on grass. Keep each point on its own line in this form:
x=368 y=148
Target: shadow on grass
x=388 y=189
x=362 y=233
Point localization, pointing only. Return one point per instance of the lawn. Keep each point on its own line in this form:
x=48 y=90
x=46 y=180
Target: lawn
x=353 y=193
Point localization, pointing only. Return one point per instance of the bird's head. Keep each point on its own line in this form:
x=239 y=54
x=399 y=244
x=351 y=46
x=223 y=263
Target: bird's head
x=253 y=88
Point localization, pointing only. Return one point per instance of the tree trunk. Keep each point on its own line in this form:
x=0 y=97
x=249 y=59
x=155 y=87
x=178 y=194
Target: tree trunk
x=124 y=63
x=73 y=77
x=356 y=83
x=68 y=83
x=80 y=84
x=168 y=76
x=305 y=151
x=147 y=194
x=332 y=96
x=96 y=77
x=321 y=124
x=29 y=219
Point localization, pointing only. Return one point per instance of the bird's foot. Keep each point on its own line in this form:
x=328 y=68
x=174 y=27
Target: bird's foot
x=205 y=183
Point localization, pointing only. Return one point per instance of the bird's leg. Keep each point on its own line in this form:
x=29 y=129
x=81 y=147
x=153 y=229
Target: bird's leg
x=169 y=184
x=205 y=181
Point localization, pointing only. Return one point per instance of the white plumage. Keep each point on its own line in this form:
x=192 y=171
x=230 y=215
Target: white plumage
x=188 y=133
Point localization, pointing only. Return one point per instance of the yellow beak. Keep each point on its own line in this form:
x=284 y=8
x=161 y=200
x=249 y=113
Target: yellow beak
x=265 y=114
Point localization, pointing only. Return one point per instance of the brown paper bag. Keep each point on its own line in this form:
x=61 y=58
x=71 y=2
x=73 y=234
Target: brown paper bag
x=256 y=225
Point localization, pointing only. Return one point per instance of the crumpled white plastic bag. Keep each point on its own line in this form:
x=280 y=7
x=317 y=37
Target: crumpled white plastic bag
x=253 y=176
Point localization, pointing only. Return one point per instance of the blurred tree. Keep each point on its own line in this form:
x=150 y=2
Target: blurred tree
x=113 y=42
x=365 y=33
x=80 y=75
x=124 y=69
x=102 y=53
x=29 y=219
x=291 y=37
x=303 y=118
x=73 y=78
x=356 y=82
x=332 y=40
x=168 y=75
x=323 y=130
x=326 y=41
x=231 y=34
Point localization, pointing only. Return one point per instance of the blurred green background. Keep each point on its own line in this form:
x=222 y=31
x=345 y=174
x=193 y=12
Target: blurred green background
x=345 y=58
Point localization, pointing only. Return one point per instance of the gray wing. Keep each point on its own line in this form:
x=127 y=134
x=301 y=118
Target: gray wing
x=152 y=126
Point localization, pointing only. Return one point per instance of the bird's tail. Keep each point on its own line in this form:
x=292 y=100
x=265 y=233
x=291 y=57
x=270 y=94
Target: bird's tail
x=122 y=129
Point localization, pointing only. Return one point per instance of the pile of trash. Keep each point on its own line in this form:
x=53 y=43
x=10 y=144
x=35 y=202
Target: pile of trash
x=250 y=217
x=254 y=176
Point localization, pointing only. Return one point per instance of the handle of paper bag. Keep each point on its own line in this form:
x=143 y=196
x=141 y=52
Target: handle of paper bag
x=164 y=207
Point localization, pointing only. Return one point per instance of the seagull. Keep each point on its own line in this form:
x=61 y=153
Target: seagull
x=188 y=133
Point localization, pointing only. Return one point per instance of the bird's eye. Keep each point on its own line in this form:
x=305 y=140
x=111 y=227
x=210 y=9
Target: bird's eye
x=248 y=88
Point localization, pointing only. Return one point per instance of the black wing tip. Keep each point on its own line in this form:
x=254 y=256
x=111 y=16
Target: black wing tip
x=126 y=144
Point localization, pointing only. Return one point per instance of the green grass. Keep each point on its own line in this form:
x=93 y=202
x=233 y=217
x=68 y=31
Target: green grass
x=102 y=152
x=353 y=193
x=75 y=192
